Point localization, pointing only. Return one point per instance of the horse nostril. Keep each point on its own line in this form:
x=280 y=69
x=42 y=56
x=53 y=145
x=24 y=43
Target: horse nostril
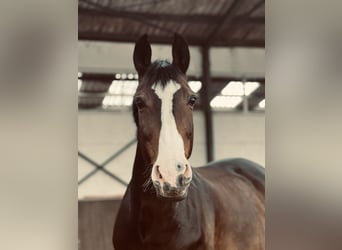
x=166 y=186
x=182 y=180
x=158 y=172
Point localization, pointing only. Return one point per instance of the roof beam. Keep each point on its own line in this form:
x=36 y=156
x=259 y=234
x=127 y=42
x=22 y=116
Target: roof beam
x=255 y=7
x=254 y=98
x=194 y=18
x=219 y=83
x=131 y=38
x=242 y=19
x=193 y=41
x=225 y=21
x=216 y=88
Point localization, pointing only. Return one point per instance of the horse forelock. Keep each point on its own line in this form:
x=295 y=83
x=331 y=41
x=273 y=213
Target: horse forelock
x=162 y=72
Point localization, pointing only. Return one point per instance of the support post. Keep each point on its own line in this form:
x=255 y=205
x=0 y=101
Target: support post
x=245 y=98
x=205 y=103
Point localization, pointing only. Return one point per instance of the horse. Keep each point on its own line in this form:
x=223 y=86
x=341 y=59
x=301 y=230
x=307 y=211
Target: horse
x=168 y=204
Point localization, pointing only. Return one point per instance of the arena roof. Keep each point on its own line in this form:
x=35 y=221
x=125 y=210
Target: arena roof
x=201 y=22
x=226 y=23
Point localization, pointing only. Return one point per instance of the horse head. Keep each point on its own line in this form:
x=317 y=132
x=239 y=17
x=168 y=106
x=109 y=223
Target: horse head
x=162 y=107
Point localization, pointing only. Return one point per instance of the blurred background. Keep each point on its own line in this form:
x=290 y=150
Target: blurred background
x=38 y=107
x=227 y=70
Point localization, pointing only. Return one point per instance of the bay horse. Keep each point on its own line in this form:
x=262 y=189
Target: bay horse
x=168 y=205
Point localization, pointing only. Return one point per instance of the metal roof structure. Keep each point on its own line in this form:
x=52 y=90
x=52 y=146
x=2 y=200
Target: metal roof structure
x=204 y=23
x=201 y=22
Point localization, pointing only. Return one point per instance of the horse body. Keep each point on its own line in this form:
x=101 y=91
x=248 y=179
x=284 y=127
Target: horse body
x=224 y=210
x=169 y=205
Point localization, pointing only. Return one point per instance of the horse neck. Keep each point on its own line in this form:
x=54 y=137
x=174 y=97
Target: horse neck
x=139 y=170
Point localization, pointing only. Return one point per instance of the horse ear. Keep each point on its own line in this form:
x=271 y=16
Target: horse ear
x=180 y=53
x=142 y=55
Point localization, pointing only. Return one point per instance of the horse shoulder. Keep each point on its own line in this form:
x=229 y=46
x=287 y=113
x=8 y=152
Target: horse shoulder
x=238 y=192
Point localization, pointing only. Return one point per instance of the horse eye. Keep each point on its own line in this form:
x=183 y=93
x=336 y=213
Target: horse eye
x=139 y=102
x=192 y=100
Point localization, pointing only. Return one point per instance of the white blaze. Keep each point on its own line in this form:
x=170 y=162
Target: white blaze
x=171 y=146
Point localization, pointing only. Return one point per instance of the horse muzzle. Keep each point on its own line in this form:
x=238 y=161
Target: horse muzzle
x=174 y=193
x=171 y=182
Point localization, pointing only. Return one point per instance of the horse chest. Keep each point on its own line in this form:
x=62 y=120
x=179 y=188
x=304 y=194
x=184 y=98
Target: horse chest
x=176 y=231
